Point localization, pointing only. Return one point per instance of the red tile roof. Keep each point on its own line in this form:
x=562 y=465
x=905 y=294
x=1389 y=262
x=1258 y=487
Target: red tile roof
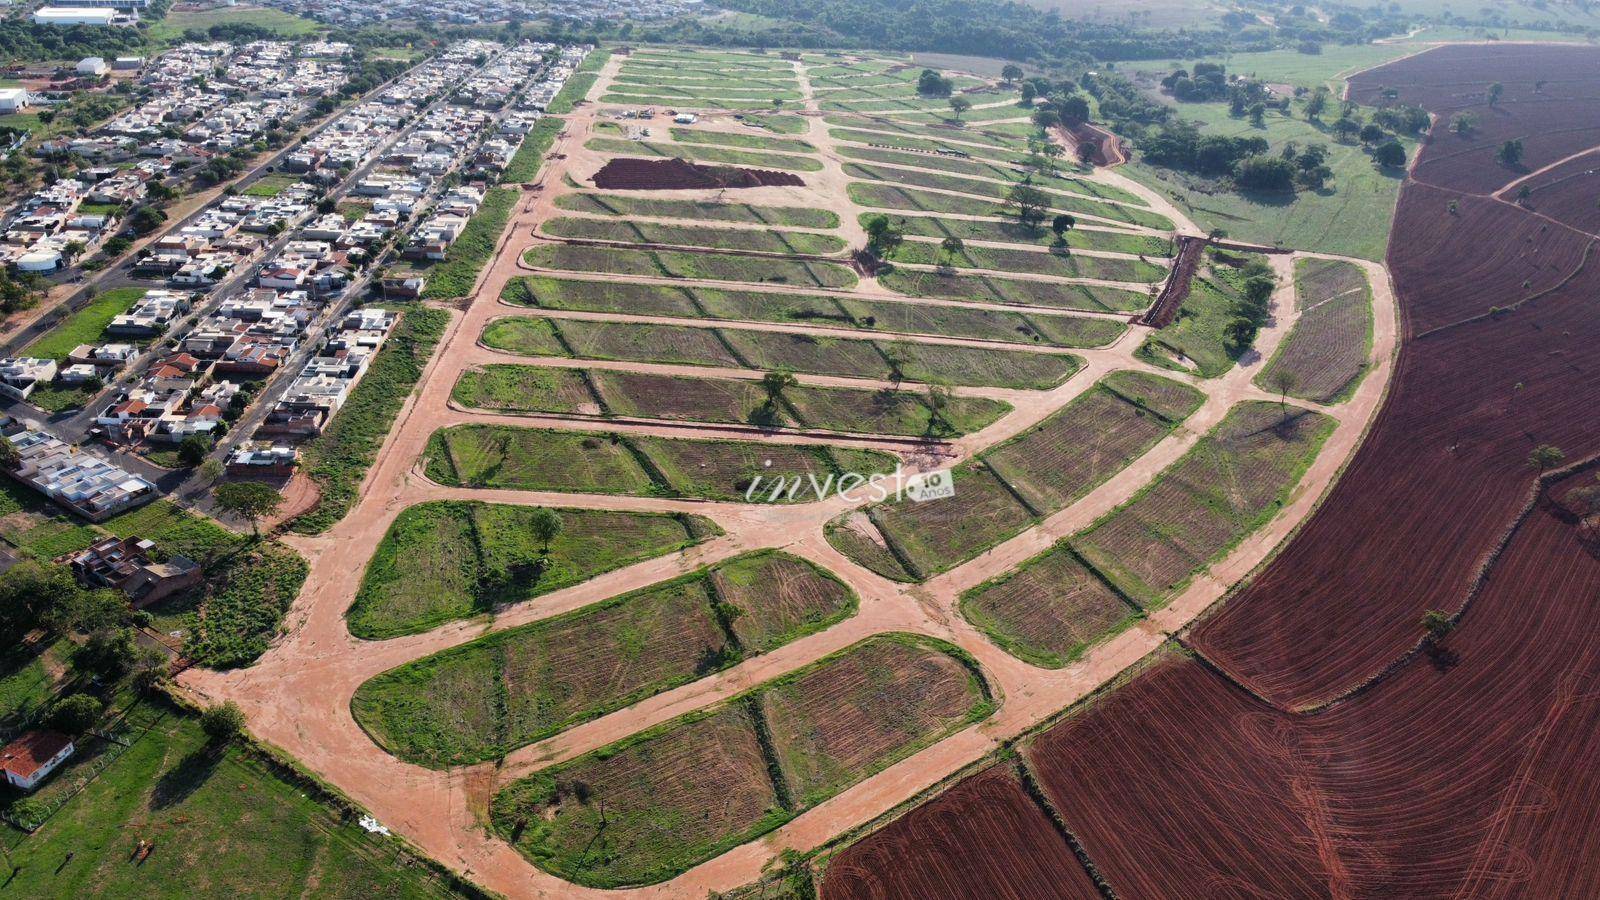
x=24 y=756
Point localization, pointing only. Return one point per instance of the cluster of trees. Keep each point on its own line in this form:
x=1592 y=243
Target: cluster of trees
x=1249 y=312
x=1180 y=145
x=1208 y=81
x=931 y=84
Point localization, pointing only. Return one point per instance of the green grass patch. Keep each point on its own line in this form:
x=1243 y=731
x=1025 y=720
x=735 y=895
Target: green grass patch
x=452 y=560
x=747 y=239
x=655 y=804
x=648 y=207
x=687 y=264
x=529 y=158
x=459 y=272
x=86 y=326
x=492 y=695
x=338 y=459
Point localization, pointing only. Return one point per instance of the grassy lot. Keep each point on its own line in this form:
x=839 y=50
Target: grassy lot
x=1124 y=214
x=1059 y=263
x=1228 y=485
x=224 y=821
x=1048 y=611
x=655 y=804
x=536 y=389
x=452 y=560
x=1008 y=230
x=86 y=326
x=170 y=28
x=598 y=463
x=755 y=306
x=950 y=285
x=485 y=698
x=1350 y=218
x=529 y=158
x=338 y=458
x=749 y=239
x=270 y=185
x=737 y=139
x=681 y=264
x=577 y=87
x=1328 y=350
x=456 y=275
x=1196 y=341
x=649 y=207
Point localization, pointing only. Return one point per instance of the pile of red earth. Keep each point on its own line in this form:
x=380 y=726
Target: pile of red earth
x=630 y=174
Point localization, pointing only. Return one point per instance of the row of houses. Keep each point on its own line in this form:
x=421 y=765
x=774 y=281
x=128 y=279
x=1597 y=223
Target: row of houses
x=77 y=479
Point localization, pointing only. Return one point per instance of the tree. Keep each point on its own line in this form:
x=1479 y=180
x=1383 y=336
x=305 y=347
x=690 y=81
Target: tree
x=1046 y=118
x=883 y=238
x=1510 y=153
x=938 y=399
x=1316 y=104
x=1027 y=201
x=211 y=470
x=109 y=652
x=1011 y=72
x=250 y=499
x=1495 y=90
x=1463 y=124
x=1346 y=128
x=1241 y=333
x=959 y=105
x=774 y=383
x=1257 y=113
x=222 y=722
x=1028 y=93
x=1265 y=173
x=192 y=452
x=951 y=246
x=546 y=526
x=1283 y=380
x=1074 y=110
x=10 y=456
x=1062 y=224
x=1437 y=623
x=932 y=84
x=75 y=713
x=1390 y=155
x=1546 y=455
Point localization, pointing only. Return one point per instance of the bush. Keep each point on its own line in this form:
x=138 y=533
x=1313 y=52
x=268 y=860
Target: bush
x=222 y=722
x=75 y=714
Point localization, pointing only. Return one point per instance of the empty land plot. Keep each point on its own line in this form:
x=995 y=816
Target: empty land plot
x=812 y=354
x=1096 y=435
x=704 y=153
x=768 y=599
x=1228 y=485
x=684 y=264
x=836 y=724
x=524 y=334
x=744 y=140
x=751 y=239
x=1131 y=215
x=451 y=560
x=511 y=388
x=1049 y=610
x=557 y=672
x=1055 y=262
x=656 y=804
x=1015 y=292
x=648 y=207
x=726 y=470
x=682 y=102
x=983 y=324
x=1197 y=340
x=1327 y=351
x=1010 y=231
x=950 y=364
x=631 y=341
x=528 y=459
x=931 y=536
x=980 y=168
x=526 y=683
x=535 y=389
x=686 y=301
x=904 y=137
x=533 y=459
x=887 y=195
x=779 y=124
